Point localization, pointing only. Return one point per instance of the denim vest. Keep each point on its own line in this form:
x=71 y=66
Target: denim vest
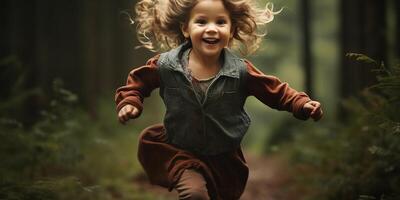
x=212 y=126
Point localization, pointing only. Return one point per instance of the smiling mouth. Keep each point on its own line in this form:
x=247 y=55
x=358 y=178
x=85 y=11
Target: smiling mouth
x=210 y=40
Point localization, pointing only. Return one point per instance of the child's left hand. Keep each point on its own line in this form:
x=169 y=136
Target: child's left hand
x=313 y=109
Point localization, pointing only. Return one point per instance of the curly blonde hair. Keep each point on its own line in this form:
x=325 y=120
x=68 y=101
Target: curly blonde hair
x=159 y=23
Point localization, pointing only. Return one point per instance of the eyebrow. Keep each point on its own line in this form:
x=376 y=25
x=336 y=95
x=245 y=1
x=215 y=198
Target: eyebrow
x=223 y=16
x=206 y=16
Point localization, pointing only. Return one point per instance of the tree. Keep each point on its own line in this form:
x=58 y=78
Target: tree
x=362 y=31
x=89 y=45
x=307 y=58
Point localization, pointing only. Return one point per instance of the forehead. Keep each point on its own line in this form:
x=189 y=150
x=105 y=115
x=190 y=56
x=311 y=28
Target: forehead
x=209 y=8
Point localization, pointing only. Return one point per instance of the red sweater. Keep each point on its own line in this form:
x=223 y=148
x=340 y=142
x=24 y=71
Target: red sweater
x=268 y=89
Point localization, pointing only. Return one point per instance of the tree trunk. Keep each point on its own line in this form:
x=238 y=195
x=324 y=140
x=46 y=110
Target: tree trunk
x=307 y=54
x=397 y=36
x=363 y=31
x=85 y=43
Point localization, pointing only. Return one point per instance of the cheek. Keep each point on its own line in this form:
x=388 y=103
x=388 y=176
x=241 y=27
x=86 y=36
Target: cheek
x=195 y=31
x=228 y=33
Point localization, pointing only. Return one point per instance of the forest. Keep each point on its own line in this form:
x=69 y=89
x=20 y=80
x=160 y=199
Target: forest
x=61 y=62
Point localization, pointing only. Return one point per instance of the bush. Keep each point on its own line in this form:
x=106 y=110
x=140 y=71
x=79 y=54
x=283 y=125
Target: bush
x=359 y=159
x=64 y=154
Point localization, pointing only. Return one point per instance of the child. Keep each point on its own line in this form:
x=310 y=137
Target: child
x=196 y=151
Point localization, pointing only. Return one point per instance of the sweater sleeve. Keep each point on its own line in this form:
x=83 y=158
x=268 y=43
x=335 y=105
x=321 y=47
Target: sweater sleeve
x=274 y=93
x=140 y=83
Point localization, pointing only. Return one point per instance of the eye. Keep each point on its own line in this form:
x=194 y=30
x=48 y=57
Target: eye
x=221 y=22
x=200 y=21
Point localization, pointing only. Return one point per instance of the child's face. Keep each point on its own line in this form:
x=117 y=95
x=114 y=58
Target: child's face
x=209 y=27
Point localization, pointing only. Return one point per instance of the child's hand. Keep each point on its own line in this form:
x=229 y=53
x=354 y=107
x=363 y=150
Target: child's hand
x=313 y=109
x=128 y=112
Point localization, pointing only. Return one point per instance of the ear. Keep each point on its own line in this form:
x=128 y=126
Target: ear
x=184 y=30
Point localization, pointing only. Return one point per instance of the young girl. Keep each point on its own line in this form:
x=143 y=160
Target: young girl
x=196 y=151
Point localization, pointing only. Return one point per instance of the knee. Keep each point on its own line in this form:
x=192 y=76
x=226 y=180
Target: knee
x=153 y=133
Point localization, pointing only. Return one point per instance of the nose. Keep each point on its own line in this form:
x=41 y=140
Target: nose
x=211 y=28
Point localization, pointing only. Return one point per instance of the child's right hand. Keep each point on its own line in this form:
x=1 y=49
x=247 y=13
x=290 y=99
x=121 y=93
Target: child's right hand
x=127 y=112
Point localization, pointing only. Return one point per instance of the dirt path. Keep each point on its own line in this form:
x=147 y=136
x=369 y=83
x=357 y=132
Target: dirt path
x=268 y=180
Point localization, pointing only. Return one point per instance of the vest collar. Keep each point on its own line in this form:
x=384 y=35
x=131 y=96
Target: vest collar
x=230 y=67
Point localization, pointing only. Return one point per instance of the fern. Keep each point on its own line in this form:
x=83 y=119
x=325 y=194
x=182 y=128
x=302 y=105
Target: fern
x=361 y=158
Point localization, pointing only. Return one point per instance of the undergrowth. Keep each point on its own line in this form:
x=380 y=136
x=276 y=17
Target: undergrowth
x=360 y=158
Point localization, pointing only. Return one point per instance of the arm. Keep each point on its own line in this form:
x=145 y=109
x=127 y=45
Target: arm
x=140 y=83
x=274 y=93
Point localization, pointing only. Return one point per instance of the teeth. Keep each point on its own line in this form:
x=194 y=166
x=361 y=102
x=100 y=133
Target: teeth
x=210 y=40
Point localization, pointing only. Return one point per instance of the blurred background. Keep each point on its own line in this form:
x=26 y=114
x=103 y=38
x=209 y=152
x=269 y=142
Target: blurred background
x=61 y=61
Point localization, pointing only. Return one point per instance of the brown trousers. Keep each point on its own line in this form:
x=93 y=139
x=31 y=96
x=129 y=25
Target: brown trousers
x=192 y=186
x=226 y=174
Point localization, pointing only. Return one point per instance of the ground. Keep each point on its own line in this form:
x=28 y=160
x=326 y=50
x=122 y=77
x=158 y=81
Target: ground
x=268 y=180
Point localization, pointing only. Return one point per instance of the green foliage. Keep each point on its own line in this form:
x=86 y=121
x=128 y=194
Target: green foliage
x=359 y=159
x=66 y=153
x=36 y=159
x=13 y=80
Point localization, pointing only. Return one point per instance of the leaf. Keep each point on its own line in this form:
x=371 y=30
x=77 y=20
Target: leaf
x=362 y=58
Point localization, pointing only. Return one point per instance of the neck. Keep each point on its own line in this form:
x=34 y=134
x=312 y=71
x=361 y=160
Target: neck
x=206 y=61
